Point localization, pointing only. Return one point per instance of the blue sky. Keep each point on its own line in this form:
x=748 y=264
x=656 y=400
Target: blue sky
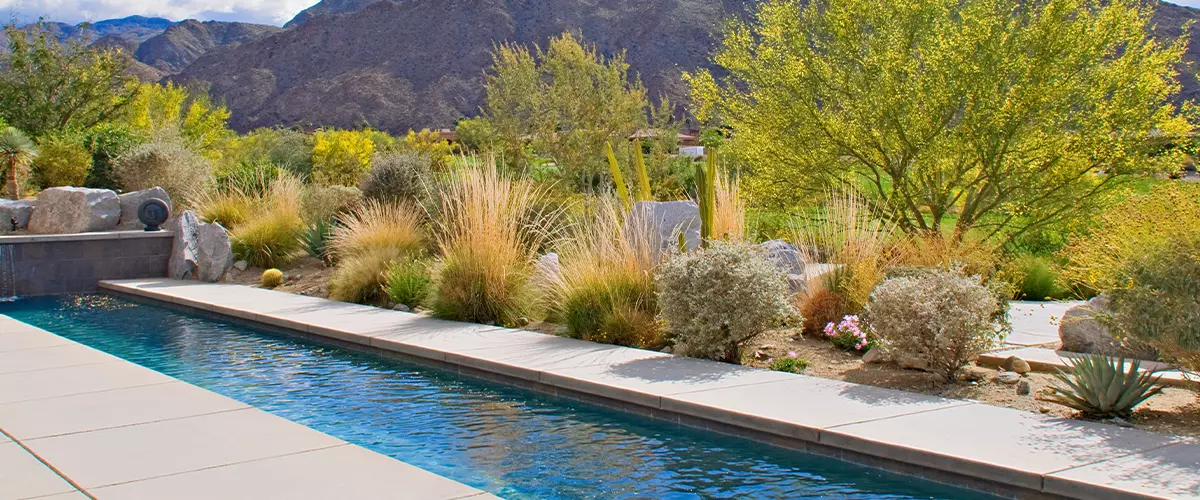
x=257 y=11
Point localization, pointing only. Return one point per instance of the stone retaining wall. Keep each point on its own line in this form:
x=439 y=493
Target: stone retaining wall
x=75 y=263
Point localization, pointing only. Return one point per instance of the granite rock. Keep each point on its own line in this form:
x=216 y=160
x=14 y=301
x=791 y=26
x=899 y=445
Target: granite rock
x=69 y=210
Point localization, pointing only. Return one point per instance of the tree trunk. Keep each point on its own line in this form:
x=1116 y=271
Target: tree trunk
x=11 y=181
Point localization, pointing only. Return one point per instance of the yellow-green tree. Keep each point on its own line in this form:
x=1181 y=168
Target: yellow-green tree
x=62 y=161
x=998 y=116
x=45 y=85
x=567 y=100
x=341 y=157
x=431 y=144
x=173 y=110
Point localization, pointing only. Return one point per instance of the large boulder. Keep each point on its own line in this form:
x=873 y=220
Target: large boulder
x=14 y=215
x=200 y=251
x=215 y=255
x=785 y=256
x=1082 y=329
x=666 y=220
x=64 y=210
x=129 y=206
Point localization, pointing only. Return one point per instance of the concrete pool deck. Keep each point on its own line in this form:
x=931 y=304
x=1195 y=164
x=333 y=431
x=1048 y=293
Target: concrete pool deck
x=76 y=423
x=998 y=450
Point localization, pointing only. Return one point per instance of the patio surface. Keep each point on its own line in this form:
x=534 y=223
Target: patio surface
x=1036 y=323
x=76 y=423
x=996 y=449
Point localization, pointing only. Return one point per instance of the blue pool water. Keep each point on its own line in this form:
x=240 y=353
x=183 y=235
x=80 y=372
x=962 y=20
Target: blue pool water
x=513 y=443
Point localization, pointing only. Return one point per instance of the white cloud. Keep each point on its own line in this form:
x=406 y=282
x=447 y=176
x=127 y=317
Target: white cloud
x=74 y=11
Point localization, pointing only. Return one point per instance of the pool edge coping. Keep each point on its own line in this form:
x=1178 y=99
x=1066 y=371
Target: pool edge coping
x=989 y=478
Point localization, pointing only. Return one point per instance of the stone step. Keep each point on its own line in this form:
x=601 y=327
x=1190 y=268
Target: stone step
x=1050 y=361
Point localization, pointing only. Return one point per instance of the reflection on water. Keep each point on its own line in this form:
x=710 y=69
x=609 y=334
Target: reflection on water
x=513 y=443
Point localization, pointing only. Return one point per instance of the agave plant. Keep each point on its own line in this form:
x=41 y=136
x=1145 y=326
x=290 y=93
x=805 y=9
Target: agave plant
x=1101 y=387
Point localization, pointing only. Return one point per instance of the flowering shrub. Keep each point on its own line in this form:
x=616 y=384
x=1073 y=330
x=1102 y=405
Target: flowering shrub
x=850 y=334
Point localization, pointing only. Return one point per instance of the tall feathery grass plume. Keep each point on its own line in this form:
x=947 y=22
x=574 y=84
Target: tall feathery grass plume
x=489 y=231
x=604 y=290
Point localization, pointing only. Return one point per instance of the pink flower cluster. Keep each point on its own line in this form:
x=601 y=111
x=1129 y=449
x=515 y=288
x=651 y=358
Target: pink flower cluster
x=850 y=333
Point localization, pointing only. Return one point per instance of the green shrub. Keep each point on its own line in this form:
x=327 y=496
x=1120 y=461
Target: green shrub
x=271 y=278
x=1161 y=306
x=1101 y=387
x=718 y=297
x=939 y=316
x=323 y=203
x=62 y=161
x=251 y=176
x=1032 y=278
x=789 y=365
x=409 y=282
x=270 y=236
x=106 y=143
x=362 y=277
x=169 y=164
x=397 y=176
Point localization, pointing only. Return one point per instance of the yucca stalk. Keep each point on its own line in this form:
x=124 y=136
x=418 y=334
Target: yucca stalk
x=706 y=194
x=639 y=167
x=614 y=168
x=1103 y=387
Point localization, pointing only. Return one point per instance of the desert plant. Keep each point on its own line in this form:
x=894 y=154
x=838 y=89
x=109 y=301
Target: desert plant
x=941 y=317
x=316 y=240
x=488 y=241
x=323 y=203
x=366 y=242
x=819 y=304
x=614 y=169
x=1160 y=307
x=16 y=151
x=398 y=176
x=409 y=282
x=62 y=161
x=270 y=236
x=168 y=163
x=851 y=334
x=789 y=364
x=847 y=232
x=228 y=206
x=248 y=175
x=729 y=213
x=706 y=195
x=341 y=157
x=1032 y=278
x=1097 y=261
x=1101 y=387
x=107 y=143
x=271 y=278
x=604 y=290
x=644 y=192
x=715 y=298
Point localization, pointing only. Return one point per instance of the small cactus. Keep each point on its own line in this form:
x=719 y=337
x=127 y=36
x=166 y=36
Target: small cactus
x=271 y=278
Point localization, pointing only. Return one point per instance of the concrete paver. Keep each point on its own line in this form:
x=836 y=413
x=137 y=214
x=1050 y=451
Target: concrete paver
x=108 y=409
x=302 y=476
x=57 y=382
x=1168 y=471
x=999 y=443
x=123 y=454
x=23 y=476
x=1036 y=323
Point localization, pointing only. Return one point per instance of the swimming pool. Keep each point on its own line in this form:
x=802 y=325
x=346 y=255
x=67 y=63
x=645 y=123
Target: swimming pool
x=510 y=442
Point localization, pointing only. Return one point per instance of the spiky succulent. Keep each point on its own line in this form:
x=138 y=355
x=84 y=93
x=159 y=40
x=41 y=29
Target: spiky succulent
x=1103 y=387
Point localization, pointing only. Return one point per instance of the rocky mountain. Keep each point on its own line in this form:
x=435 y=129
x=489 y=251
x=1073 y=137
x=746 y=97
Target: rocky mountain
x=328 y=8
x=419 y=63
x=182 y=43
x=134 y=28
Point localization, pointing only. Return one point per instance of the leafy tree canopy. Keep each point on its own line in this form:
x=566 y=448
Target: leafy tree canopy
x=45 y=85
x=991 y=115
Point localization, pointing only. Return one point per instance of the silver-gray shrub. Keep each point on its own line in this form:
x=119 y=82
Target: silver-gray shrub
x=164 y=162
x=718 y=297
x=397 y=176
x=940 y=316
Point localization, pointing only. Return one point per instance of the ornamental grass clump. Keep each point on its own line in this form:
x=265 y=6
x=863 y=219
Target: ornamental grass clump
x=489 y=234
x=409 y=282
x=366 y=242
x=715 y=298
x=604 y=290
x=938 y=316
x=270 y=235
x=1102 y=387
